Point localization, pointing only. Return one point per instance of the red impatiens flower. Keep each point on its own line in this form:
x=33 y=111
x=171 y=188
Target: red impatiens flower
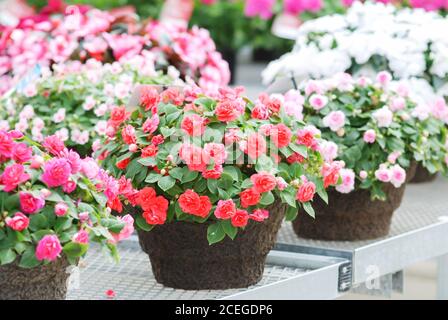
x=154 y=207
x=190 y=202
x=117 y=116
x=149 y=151
x=149 y=98
x=123 y=163
x=240 y=218
x=263 y=182
x=128 y=134
x=249 y=197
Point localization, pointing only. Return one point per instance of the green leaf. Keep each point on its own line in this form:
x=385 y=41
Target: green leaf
x=229 y=229
x=7 y=256
x=177 y=173
x=142 y=224
x=291 y=213
x=147 y=162
x=267 y=199
x=166 y=183
x=309 y=209
x=225 y=181
x=75 y=250
x=212 y=185
x=29 y=259
x=62 y=223
x=288 y=196
x=166 y=132
x=300 y=149
x=189 y=175
x=215 y=233
x=133 y=168
x=38 y=222
x=113 y=224
x=323 y=195
x=234 y=172
x=153 y=177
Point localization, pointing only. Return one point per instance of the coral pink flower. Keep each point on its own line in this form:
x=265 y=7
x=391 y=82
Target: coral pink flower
x=21 y=152
x=306 y=192
x=260 y=111
x=231 y=136
x=330 y=172
x=56 y=172
x=281 y=135
x=12 y=176
x=194 y=125
x=335 y=120
x=154 y=207
x=225 y=209
x=151 y=124
x=118 y=116
x=214 y=173
x=255 y=146
x=259 y=215
x=263 y=182
x=149 y=151
x=240 y=218
x=127 y=230
x=190 y=202
x=19 y=222
x=281 y=183
x=227 y=110
x=81 y=237
x=128 y=134
x=195 y=157
x=369 y=136
x=30 y=204
x=48 y=248
x=306 y=137
x=348 y=181
x=60 y=209
x=216 y=151
x=398 y=176
x=249 y=197
x=149 y=98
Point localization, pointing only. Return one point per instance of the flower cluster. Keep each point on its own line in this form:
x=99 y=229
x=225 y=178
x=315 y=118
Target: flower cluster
x=54 y=203
x=409 y=43
x=224 y=158
x=92 y=33
x=375 y=129
x=74 y=100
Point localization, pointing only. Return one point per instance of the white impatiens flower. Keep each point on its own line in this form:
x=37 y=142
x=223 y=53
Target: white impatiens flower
x=369 y=38
x=383 y=117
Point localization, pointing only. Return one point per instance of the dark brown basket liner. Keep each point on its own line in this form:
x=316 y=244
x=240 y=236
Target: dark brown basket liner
x=182 y=258
x=40 y=283
x=350 y=217
x=422 y=175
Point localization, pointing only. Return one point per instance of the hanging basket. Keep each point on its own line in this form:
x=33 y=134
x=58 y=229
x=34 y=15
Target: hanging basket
x=182 y=258
x=47 y=282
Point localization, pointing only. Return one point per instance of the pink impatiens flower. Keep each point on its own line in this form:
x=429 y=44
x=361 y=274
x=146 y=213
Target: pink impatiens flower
x=56 y=172
x=30 y=204
x=81 y=237
x=348 y=181
x=21 y=152
x=225 y=209
x=127 y=230
x=53 y=145
x=262 y=8
x=369 y=136
x=383 y=117
x=318 y=101
x=48 y=248
x=19 y=222
x=13 y=176
x=259 y=215
x=383 y=173
x=335 y=120
x=193 y=125
x=398 y=176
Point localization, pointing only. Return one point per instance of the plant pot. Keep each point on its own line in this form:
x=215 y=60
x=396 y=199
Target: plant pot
x=47 y=282
x=230 y=55
x=182 y=258
x=352 y=216
x=423 y=175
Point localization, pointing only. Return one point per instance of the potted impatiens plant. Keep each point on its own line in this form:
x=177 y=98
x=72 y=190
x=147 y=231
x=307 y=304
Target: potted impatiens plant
x=74 y=100
x=212 y=179
x=53 y=206
x=359 y=43
x=379 y=134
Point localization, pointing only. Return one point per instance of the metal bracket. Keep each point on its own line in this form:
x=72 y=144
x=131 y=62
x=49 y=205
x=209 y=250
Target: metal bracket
x=345 y=277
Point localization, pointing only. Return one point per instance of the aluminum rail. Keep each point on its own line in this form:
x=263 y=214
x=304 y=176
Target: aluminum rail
x=419 y=232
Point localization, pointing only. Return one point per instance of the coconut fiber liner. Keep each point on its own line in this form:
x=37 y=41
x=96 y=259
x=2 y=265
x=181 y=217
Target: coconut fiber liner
x=182 y=258
x=353 y=216
x=423 y=175
x=47 y=282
